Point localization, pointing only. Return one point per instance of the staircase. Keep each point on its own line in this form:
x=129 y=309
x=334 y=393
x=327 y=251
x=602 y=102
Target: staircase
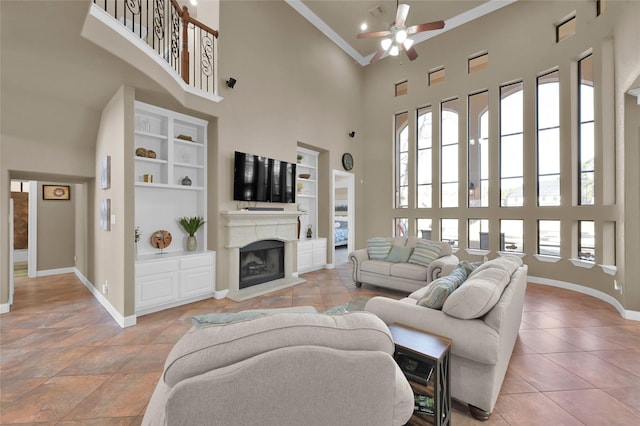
x=185 y=44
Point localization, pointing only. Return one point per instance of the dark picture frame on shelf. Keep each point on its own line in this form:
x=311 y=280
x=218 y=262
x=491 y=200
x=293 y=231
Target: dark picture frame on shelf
x=56 y=192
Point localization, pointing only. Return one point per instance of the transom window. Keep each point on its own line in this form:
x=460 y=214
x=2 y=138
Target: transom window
x=549 y=237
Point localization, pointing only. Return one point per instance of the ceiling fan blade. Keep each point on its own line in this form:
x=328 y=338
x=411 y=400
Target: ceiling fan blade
x=377 y=56
x=401 y=14
x=374 y=34
x=411 y=53
x=436 y=25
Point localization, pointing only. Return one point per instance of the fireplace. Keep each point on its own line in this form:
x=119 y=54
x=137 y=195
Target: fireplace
x=261 y=262
x=242 y=229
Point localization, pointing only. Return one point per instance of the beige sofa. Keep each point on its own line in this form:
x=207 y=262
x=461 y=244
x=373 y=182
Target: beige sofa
x=404 y=276
x=482 y=343
x=283 y=369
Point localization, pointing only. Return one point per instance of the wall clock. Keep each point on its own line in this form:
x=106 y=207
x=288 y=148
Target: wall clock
x=347 y=161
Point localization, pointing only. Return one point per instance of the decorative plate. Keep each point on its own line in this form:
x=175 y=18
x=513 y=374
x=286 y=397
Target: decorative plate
x=161 y=239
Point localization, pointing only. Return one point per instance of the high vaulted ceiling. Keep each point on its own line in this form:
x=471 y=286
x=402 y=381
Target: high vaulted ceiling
x=340 y=20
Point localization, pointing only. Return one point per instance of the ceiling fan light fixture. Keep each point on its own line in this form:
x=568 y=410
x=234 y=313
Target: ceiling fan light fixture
x=408 y=43
x=394 y=50
x=401 y=36
x=385 y=43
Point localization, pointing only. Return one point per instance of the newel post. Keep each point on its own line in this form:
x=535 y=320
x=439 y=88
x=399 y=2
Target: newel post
x=184 y=55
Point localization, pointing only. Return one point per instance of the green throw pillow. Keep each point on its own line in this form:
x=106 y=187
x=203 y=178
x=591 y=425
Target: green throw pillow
x=425 y=253
x=439 y=289
x=399 y=254
x=378 y=248
x=224 y=318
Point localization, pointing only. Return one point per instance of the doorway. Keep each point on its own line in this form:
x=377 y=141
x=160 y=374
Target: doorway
x=343 y=216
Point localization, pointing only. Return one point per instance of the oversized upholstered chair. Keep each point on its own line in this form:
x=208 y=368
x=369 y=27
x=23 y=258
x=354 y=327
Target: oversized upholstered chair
x=284 y=369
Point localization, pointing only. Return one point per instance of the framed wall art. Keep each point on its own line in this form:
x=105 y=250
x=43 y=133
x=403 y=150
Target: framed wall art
x=105 y=172
x=105 y=214
x=56 y=192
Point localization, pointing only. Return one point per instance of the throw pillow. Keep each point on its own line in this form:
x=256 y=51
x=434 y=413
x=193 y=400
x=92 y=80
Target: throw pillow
x=425 y=253
x=439 y=289
x=399 y=254
x=469 y=266
x=378 y=248
x=223 y=318
x=478 y=295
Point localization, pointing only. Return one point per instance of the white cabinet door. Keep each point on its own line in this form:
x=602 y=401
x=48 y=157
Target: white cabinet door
x=156 y=284
x=319 y=253
x=305 y=256
x=196 y=282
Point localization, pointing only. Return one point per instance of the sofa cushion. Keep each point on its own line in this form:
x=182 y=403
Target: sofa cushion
x=380 y=267
x=378 y=248
x=399 y=254
x=224 y=317
x=439 y=289
x=478 y=294
x=206 y=348
x=508 y=263
x=425 y=253
x=409 y=271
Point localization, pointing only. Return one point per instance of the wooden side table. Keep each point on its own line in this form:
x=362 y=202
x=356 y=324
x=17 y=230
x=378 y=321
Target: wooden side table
x=418 y=352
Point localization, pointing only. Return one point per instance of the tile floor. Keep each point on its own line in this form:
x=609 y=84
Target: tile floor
x=64 y=361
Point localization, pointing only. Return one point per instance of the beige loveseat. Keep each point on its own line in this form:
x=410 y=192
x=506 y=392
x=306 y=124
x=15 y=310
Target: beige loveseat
x=405 y=276
x=284 y=369
x=482 y=321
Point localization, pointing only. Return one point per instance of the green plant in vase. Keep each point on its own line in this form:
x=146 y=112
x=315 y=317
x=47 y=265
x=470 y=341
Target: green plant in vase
x=191 y=226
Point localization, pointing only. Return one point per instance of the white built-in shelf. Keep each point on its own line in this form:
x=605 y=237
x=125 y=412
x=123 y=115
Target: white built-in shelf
x=176 y=276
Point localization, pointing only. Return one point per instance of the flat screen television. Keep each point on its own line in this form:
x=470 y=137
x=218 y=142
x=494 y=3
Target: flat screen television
x=258 y=178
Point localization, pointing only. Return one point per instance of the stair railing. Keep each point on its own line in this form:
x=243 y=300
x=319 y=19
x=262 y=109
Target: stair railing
x=185 y=43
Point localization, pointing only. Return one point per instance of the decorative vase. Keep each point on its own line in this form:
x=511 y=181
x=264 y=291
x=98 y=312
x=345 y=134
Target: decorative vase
x=309 y=232
x=299 y=225
x=192 y=243
x=186 y=181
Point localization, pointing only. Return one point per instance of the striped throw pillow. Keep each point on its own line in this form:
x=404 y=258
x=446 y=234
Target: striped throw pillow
x=439 y=289
x=378 y=248
x=425 y=253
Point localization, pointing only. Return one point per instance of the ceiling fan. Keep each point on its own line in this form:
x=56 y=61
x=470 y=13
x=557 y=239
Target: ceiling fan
x=397 y=36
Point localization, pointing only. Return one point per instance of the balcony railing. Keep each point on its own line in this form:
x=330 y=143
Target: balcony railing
x=186 y=44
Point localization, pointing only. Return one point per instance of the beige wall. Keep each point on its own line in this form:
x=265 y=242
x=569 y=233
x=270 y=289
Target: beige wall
x=519 y=49
x=294 y=87
x=114 y=250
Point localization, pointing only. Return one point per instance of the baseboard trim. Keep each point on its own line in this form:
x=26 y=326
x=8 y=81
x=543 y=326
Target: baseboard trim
x=625 y=313
x=220 y=294
x=122 y=321
x=5 y=308
x=58 y=271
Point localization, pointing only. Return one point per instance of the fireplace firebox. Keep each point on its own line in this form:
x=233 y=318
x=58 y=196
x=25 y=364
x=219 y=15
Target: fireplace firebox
x=260 y=262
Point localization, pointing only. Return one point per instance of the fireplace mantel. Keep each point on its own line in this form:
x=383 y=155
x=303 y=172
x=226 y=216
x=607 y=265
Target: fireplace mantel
x=243 y=227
